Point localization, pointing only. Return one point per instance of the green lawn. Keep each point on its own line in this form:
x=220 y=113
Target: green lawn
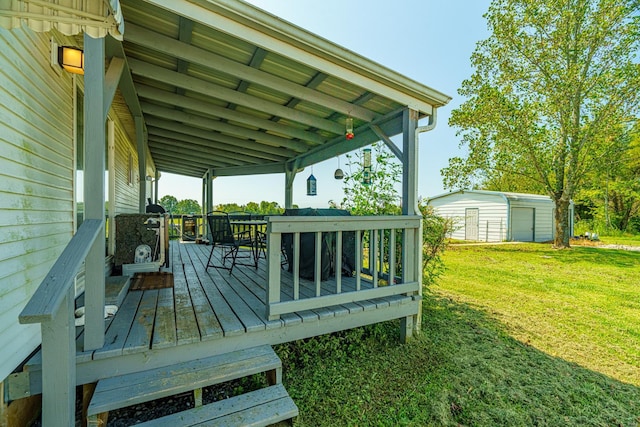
x=513 y=335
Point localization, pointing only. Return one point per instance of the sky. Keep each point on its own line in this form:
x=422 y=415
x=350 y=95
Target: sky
x=430 y=41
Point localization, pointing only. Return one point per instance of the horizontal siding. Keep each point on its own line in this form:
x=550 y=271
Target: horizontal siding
x=36 y=180
x=126 y=194
x=492 y=211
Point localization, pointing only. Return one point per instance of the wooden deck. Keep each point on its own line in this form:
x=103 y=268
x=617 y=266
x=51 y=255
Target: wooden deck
x=214 y=312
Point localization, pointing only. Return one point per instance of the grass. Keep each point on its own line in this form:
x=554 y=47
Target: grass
x=513 y=335
x=631 y=240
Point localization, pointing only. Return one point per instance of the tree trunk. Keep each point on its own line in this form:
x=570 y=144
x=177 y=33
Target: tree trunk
x=563 y=231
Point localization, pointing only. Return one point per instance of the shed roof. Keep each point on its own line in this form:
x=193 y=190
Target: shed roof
x=222 y=84
x=507 y=195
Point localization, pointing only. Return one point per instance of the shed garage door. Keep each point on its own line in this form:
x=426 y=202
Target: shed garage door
x=522 y=220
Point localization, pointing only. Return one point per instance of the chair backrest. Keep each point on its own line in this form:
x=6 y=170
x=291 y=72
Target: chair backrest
x=220 y=227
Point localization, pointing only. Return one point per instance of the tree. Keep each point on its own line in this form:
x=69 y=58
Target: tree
x=188 y=207
x=554 y=89
x=380 y=196
x=612 y=198
x=169 y=203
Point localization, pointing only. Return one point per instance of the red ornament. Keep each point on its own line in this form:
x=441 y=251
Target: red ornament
x=349 y=135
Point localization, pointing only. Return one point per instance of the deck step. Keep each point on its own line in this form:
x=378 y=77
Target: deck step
x=115 y=289
x=138 y=387
x=262 y=407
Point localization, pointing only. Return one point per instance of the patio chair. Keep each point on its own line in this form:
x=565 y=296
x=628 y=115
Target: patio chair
x=229 y=242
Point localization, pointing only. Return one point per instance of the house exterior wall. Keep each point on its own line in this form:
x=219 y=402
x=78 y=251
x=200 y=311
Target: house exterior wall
x=126 y=180
x=36 y=180
x=37 y=172
x=492 y=214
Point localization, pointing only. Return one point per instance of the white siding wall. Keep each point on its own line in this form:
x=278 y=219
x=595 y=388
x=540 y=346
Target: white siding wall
x=543 y=226
x=492 y=211
x=36 y=180
x=126 y=191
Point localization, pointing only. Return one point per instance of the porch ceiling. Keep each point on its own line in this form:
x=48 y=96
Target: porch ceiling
x=224 y=85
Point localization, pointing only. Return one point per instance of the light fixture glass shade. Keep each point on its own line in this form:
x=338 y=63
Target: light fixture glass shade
x=338 y=174
x=71 y=59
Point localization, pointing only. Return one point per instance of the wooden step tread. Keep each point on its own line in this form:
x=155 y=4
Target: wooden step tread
x=144 y=386
x=257 y=408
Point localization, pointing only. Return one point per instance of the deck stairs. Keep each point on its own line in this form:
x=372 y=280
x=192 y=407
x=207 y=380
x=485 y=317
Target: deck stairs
x=265 y=406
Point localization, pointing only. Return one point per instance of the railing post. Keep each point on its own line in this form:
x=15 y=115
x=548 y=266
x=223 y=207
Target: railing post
x=409 y=273
x=274 y=245
x=59 y=366
x=417 y=327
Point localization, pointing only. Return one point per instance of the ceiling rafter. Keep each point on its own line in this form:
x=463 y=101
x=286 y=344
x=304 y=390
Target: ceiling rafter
x=154 y=72
x=151 y=93
x=195 y=153
x=218 y=126
x=225 y=142
x=193 y=54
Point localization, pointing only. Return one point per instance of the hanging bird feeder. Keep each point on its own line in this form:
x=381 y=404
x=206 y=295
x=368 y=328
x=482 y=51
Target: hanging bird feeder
x=338 y=174
x=311 y=185
x=366 y=166
x=349 y=131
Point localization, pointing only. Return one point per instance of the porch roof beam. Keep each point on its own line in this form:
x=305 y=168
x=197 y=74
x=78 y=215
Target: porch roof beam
x=113 y=48
x=189 y=152
x=111 y=82
x=148 y=92
x=389 y=143
x=217 y=125
x=250 y=170
x=173 y=78
x=364 y=135
x=186 y=52
x=167 y=164
x=226 y=142
x=201 y=162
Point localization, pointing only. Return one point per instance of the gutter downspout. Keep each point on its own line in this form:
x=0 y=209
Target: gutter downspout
x=433 y=120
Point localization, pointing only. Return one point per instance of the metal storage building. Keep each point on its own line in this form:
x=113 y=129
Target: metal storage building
x=494 y=216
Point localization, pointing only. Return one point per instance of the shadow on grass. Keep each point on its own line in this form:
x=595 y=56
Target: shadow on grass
x=576 y=254
x=464 y=369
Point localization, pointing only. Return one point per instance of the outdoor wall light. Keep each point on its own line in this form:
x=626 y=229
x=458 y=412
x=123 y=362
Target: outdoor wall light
x=71 y=59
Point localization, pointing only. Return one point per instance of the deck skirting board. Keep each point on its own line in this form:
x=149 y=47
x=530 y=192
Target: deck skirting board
x=91 y=371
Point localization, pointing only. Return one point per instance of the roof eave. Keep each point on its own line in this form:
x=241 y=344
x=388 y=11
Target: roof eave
x=272 y=33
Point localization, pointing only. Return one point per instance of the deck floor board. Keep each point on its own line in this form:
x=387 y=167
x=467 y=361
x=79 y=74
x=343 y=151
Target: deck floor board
x=211 y=305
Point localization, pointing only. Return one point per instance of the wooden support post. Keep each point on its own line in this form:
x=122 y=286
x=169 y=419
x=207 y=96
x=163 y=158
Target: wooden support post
x=273 y=270
x=289 y=177
x=412 y=245
x=94 y=185
x=59 y=366
x=96 y=420
x=406 y=328
x=197 y=397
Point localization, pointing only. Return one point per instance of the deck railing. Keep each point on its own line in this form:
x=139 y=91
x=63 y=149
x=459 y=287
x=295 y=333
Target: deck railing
x=387 y=270
x=52 y=305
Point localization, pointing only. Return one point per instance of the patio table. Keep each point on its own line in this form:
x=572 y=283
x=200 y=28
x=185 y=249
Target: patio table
x=253 y=225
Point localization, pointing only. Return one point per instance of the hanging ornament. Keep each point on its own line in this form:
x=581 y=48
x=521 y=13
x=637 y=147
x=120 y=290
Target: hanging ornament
x=338 y=174
x=311 y=184
x=366 y=166
x=349 y=124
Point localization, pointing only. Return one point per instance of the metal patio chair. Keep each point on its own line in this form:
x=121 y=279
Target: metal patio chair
x=230 y=243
